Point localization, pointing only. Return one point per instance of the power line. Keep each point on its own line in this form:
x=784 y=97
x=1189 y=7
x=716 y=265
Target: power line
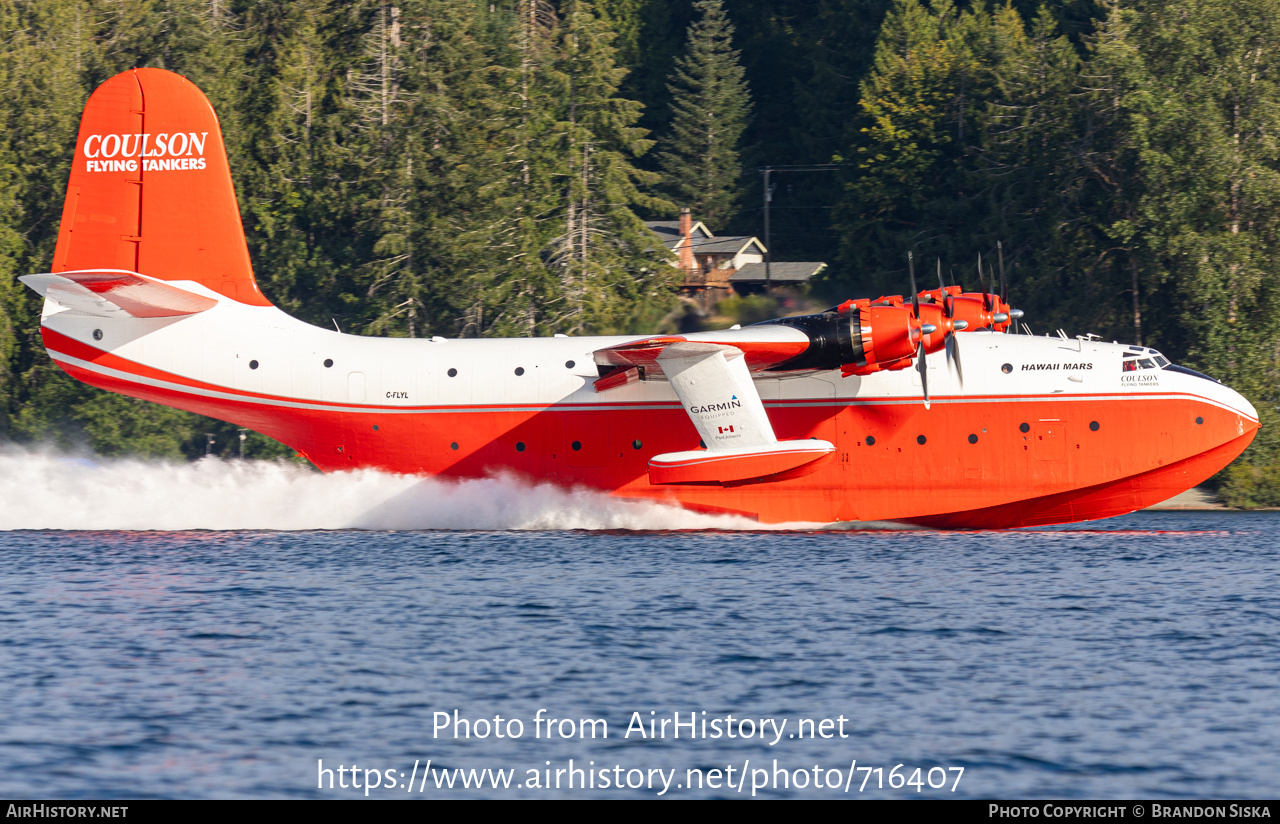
x=768 y=197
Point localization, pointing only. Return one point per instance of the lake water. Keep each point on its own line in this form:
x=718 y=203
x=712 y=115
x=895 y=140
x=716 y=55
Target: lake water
x=1135 y=657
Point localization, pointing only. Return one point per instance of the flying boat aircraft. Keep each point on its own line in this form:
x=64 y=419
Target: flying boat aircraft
x=927 y=409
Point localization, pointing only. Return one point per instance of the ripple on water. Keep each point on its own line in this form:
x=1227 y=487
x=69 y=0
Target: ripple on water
x=1131 y=659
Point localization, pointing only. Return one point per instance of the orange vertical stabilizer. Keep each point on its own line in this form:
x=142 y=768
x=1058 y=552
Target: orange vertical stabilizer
x=150 y=189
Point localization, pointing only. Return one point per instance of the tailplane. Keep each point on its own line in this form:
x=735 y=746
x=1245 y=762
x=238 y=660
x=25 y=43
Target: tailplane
x=117 y=294
x=150 y=189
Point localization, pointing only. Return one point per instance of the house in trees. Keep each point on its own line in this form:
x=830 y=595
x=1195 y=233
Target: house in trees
x=717 y=266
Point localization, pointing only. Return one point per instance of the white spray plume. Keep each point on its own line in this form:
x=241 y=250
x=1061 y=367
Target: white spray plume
x=45 y=490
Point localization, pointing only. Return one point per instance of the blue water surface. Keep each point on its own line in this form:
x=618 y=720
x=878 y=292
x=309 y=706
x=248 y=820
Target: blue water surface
x=1133 y=658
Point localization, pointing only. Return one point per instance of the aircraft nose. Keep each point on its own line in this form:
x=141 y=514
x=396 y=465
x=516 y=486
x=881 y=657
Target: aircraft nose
x=1241 y=404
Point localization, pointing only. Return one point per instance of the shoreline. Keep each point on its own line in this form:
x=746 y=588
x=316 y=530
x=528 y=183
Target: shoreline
x=1196 y=499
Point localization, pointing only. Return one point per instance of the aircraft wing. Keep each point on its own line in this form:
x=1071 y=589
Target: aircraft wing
x=761 y=346
x=713 y=380
x=111 y=293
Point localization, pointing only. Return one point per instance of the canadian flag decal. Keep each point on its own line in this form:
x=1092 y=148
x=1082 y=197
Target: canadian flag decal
x=724 y=429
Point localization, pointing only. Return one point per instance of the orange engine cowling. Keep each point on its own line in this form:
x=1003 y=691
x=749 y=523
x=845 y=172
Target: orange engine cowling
x=979 y=310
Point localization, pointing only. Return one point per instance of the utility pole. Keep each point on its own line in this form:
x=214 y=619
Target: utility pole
x=768 y=198
x=768 y=244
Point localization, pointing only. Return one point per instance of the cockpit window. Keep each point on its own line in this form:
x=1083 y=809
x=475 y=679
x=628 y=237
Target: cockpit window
x=1134 y=362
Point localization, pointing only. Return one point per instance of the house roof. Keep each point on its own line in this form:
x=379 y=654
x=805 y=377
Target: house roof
x=669 y=231
x=725 y=245
x=781 y=272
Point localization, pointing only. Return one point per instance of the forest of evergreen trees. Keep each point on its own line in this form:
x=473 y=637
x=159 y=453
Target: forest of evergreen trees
x=484 y=167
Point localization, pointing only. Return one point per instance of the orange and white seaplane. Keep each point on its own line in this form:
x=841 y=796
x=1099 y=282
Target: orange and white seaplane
x=926 y=410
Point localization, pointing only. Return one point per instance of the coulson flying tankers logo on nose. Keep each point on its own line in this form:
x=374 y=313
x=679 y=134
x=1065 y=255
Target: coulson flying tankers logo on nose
x=163 y=152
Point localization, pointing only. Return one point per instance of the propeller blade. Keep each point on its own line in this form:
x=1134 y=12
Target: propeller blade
x=953 y=356
x=941 y=285
x=924 y=373
x=982 y=284
x=915 y=297
x=1004 y=286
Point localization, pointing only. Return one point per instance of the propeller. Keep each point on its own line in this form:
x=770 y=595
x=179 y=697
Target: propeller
x=1004 y=285
x=1014 y=314
x=957 y=325
x=921 y=366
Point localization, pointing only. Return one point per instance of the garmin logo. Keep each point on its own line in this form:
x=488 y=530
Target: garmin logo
x=150 y=153
x=716 y=407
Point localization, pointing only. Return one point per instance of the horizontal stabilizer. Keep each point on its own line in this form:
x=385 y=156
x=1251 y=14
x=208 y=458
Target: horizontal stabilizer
x=110 y=293
x=759 y=463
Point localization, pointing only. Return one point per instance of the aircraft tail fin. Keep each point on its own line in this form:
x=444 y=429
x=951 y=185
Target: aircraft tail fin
x=150 y=189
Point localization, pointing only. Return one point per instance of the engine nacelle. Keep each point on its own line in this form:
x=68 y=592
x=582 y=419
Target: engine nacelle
x=978 y=310
x=857 y=337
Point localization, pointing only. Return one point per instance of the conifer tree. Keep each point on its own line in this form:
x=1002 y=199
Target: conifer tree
x=710 y=109
x=606 y=259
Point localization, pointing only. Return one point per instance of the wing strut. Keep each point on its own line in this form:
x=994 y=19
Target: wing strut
x=714 y=385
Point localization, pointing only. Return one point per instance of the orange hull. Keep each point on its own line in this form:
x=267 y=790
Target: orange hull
x=976 y=468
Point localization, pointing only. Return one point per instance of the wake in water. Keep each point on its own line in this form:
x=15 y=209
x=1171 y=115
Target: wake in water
x=43 y=490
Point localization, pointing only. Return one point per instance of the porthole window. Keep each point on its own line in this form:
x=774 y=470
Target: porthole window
x=871 y=440
x=1024 y=427
x=1199 y=420
x=569 y=364
x=973 y=439
x=701 y=444
x=328 y=363
x=1007 y=368
x=97 y=334
x=454 y=446
x=453 y=373
x=1093 y=426
x=577 y=445
x=920 y=439
x=636 y=444
x=253 y=364
x=375 y=427
x=519 y=446
x=519 y=371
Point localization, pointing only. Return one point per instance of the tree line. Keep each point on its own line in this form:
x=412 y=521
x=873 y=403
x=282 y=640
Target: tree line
x=483 y=167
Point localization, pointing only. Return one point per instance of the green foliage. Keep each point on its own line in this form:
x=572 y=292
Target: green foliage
x=748 y=309
x=418 y=167
x=710 y=108
x=403 y=168
x=1130 y=174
